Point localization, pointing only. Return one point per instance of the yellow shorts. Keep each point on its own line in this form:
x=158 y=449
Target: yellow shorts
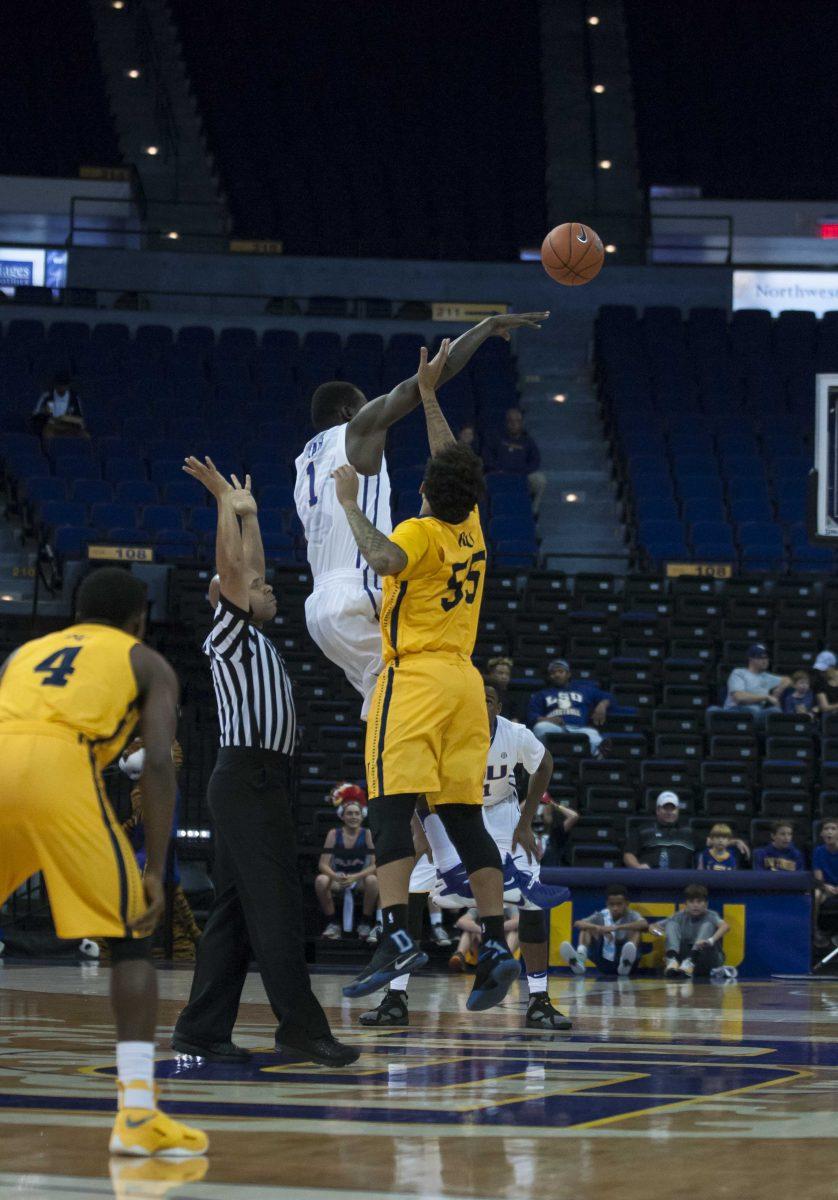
x=56 y=818
x=428 y=730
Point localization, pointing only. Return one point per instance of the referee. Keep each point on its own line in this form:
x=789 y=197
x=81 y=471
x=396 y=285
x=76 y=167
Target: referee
x=258 y=902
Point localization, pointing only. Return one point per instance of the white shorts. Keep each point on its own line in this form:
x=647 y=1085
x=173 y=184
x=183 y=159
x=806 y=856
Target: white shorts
x=500 y=820
x=342 y=620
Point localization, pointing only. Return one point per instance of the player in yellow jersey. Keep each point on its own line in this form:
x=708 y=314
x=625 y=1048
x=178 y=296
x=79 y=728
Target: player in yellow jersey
x=69 y=703
x=427 y=731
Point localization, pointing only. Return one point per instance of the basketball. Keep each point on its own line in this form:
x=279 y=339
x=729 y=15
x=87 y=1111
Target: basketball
x=572 y=253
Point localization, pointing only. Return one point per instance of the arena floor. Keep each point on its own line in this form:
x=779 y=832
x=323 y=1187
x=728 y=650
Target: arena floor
x=662 y=1090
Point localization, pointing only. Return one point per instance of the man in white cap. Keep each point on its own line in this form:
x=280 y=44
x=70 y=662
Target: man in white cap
x=754 y=688
x=666 y=843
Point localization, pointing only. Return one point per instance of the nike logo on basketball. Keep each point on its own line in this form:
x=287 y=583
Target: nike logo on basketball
x=582 y=236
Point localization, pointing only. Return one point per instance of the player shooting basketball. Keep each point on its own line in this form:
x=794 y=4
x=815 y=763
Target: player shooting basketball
x=342 y=612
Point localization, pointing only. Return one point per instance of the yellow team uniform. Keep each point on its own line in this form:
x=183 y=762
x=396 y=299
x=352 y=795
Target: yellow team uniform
x=427 y=729
x=68 y=703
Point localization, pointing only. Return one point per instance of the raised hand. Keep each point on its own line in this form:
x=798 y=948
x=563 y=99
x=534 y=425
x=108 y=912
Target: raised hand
x=504 y=323
x=346 y=484
x=430 y=373
x=241 y=498
x=208 y=474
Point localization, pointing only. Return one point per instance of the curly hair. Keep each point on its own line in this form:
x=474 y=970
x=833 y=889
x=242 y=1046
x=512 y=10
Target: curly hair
x=454 y=483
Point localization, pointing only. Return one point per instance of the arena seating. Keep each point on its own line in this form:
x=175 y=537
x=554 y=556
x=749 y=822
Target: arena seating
x=352 y=165
x=711 y=423
x=151 y=399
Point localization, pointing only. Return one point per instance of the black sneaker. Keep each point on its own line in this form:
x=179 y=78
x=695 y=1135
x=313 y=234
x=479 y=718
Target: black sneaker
x=542 y=1015
x=391 y=959
x=211 y=1051
x=325 y=1050
x=496 y=971
x=391 y=1011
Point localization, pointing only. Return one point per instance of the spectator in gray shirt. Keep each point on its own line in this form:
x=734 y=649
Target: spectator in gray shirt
x=693 y=937
x=753 y=688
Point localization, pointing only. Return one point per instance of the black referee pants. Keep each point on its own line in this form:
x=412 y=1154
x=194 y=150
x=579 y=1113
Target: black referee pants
x=258 y=904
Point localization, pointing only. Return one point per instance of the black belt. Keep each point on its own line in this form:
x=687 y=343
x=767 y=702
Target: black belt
x=253 y=754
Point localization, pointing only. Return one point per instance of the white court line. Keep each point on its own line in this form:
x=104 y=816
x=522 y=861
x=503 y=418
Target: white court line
x=73 y=1187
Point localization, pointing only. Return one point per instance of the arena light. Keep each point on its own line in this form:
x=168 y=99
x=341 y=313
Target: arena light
x=599 y=88
x=560 y=397
x=173 y=235
x=604 y=164
x=570 y=497
x=133 y=73
x=6 y=596
x=117 y=4
x=610 y=248
x=152 y=150
x=593 y=20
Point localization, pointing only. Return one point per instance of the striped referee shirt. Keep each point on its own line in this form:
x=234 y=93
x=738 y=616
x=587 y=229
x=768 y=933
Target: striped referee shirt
x=252 y=688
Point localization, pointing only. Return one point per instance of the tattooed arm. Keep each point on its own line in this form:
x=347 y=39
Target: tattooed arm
x=384 y=556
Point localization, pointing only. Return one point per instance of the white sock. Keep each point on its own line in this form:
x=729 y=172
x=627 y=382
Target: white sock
x=445 y=856
x=135 y=1069
x=436 y=916
x=379 y=918
x=537 y=982
x=399 y=984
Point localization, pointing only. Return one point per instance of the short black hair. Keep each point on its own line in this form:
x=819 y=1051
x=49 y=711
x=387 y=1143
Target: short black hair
x=329 y=399
x=111 y=595
x=490 y=683
x=454 y=483
x=616 y=889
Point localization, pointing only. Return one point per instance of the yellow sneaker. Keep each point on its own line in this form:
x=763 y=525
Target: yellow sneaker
x=147 y=1132
x=158 y=1177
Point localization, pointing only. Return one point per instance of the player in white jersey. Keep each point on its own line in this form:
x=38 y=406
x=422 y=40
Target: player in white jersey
x=510 y=825
x=342 y=613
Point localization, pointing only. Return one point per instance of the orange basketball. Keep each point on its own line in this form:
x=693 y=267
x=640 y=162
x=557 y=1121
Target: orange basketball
x=572 y=253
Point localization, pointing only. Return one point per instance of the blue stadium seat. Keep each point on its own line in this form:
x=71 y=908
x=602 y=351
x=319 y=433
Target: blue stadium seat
x=499 y=485
x=707 y=487
x=77 y=448
x=109 y=514
x=162 y=516
x=126 y=535
x=274 y=495
x=281 y=344
x=714 y=551
x=517 y=508
x=119 y=470
x=791 y=505
x=654 y=507
x=716 y=532
x=63 y=512
x=153 y=339
x=136 y=492
x=170 y=470
x=695 y=463
x=109 y=336
x=71 y=541
x=747 y=510
x=182 y=493
x=41 y=489
x=197 y=340
x=69 y=333
x=760 y=538
x=203 y=522
x=91 y=491
x=236 y=342
x=175 y=543
x=515 y=552
x=503 y=529
x=744 y=488
x=703 y=508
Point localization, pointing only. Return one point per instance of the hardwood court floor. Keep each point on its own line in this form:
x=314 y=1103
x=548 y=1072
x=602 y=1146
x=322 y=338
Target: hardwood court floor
x=662 y=1090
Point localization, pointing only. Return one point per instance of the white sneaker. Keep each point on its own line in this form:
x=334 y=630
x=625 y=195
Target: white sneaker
x=439 y=935
x=374 y=935
x=628 y=956
x=88 y=948
x=672 y=970
x=332 y=931
x=364 y=931
x=575 y=959
x=724 y=975
x=687 y=967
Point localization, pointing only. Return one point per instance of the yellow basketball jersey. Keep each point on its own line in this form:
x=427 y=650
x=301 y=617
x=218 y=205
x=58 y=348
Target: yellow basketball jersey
x=434 y=604
x=80 y=678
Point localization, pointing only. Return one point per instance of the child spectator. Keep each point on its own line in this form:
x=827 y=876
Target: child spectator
x=609 y=937
x=346 y=862
x=558 y=821
x=693 y=937
x=827 y=689
x=780 y=854
x=719 y=855
x=799 y=699
x=464 y=957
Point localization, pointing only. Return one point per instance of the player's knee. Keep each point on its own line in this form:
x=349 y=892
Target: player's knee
x=472 y=840
x=532 y=927
x=129 y=949
x=390 y=818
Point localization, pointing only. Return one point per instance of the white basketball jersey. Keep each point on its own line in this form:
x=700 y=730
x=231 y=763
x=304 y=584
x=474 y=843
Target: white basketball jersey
x=330 y=544
x=512 y=745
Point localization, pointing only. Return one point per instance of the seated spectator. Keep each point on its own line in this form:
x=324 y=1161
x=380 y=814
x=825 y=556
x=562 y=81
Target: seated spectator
x=780 y=854
x=58 y=411
x=346 y=863
x=825 y=867
x=719 y=855
x=826 y=689
x=468 y=437
x=569 y=705
x=753 y=688
x=558 y=820
x=609 y=938
x=799 y=699
x=464 y=957
x=693 y=937
x=666 y=843
x=515 y=453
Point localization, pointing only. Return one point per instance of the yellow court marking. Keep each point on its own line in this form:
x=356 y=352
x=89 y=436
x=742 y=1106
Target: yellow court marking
x=661 y=1108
